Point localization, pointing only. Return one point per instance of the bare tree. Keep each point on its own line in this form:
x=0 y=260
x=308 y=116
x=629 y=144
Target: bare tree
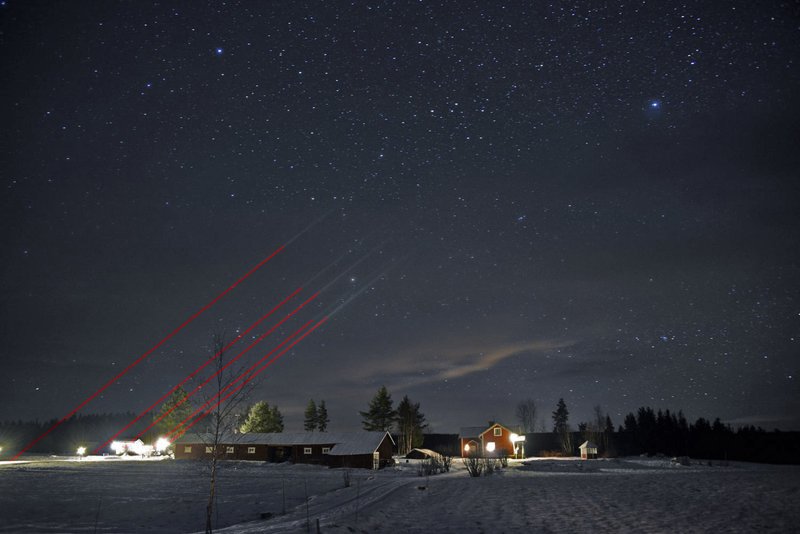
x=229 y=395
x=526 y=415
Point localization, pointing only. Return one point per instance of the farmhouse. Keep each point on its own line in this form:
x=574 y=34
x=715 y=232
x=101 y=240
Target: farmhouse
x=496 y=440
x=368 y=450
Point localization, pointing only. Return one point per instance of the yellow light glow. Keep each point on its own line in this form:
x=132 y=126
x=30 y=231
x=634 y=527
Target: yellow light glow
x=490 y=446
x=81 y=451
x=466 y=447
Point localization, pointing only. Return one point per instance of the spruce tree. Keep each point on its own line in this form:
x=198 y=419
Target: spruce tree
x=177 y=408
x=263 y=418
x=310 y=422
x=560 y=417
x=381 y=415
x=322 y=417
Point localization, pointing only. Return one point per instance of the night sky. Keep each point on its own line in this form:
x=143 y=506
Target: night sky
x=499 y=200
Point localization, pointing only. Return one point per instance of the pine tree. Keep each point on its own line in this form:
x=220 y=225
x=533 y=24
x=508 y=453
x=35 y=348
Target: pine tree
x=560 y=417
x=411 y=423
x=322 y=417
x=263 y=418
x=380 y=415
x=310 y=422
x=561 y=427
x=177 y=408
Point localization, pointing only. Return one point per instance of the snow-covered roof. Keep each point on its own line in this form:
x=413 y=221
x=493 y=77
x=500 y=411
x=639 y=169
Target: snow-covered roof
x=359 y=443
x=343 y=443
x=426 y=452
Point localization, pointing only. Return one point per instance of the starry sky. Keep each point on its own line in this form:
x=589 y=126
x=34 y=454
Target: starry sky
x=496 y=201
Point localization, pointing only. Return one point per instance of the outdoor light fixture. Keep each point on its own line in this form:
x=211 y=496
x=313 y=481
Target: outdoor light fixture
x=466 y=447
x=81 y=451
x=490 y=446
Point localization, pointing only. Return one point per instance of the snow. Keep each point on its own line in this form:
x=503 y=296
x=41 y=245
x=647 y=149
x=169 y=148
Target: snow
x=633 y=494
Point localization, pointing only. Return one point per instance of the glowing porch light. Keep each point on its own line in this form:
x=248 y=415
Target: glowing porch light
x=81 y=451
x=466 y=447
x=490 y=446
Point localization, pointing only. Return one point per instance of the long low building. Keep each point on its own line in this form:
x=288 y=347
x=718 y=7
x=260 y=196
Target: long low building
x=368 y=450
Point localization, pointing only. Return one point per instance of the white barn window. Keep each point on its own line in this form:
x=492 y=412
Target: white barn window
x=187 y=448
x=498 y=431
x=306 y=450
x=229 y=450
x=326 y=450
x=251 y=450
x=209 y=449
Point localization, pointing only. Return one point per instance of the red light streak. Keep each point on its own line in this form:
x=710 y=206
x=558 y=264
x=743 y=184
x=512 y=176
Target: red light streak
x=148 y=353
x=182 y=431
x=192 y=375
x=234 y=360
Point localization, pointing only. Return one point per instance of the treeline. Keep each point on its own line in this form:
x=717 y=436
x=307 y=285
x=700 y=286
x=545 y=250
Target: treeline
x=80 y=430
x=663 y=432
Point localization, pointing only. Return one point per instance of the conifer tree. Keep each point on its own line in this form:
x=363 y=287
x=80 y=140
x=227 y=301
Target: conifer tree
x=263 y=418
x=310 y=421
x=322 y=417
x=180 y=408
x=381 y=415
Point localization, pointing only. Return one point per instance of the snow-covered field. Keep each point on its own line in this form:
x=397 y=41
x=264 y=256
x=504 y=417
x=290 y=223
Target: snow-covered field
x=632 y=494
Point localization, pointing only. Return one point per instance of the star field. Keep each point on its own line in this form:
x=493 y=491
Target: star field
x=535 y=199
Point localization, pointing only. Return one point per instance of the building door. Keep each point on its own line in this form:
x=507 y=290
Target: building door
x=376 y=460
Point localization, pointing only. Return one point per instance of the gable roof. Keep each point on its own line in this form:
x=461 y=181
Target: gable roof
x=488 y=428
x=360 y=443
x=588 y=445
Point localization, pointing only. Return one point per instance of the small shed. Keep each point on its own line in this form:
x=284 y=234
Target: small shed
x=367 y=450
x=588 y=450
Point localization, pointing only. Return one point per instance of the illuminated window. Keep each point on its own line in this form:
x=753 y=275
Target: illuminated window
x=187 y=448
x=209 y=449
x=326 y=450
x=251 y=450
x=306 y=450
x=498 y=431
x=490 y=446
x=229 y=450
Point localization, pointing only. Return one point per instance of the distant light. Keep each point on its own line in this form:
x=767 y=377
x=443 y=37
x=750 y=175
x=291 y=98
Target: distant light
x=490 y=446
x=81 y=451
x=118 y=447
x=219 y=51
x=466 y=447
x=162 y=444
